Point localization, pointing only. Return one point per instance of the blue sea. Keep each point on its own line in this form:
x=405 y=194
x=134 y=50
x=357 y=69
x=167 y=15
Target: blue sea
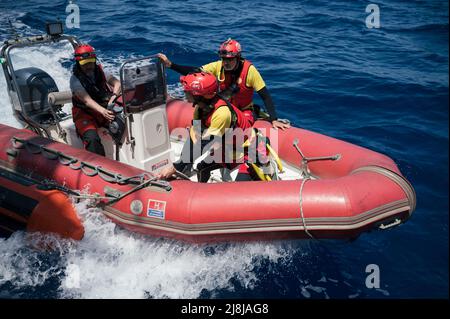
x=383 y=88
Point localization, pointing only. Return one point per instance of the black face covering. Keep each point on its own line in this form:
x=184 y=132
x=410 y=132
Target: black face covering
x=207 y=107
x=200 y=99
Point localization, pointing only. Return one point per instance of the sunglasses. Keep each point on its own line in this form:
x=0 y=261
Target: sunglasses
x=85 y=55
x=228 y=59
x=225 y=52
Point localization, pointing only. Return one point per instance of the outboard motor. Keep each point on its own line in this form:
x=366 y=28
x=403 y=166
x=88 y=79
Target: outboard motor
x=34 y=85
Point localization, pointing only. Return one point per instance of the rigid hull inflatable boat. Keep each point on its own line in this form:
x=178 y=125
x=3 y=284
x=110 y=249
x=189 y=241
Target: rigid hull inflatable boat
x=326 y=189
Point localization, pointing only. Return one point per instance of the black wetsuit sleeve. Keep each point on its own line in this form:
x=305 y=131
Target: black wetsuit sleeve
x=184 y=69
x=268 y=103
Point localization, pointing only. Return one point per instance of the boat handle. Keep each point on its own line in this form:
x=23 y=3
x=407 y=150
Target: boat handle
x=394 y=223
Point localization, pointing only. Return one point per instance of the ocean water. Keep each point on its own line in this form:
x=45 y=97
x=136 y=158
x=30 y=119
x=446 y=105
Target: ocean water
x=385 y=89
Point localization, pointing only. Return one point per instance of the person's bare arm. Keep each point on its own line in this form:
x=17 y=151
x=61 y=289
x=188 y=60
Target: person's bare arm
x=115 y=83
x=90 y=103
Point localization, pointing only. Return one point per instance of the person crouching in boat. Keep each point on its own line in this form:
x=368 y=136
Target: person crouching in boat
x=92 y=91
x=238 y=80
x=216 y=115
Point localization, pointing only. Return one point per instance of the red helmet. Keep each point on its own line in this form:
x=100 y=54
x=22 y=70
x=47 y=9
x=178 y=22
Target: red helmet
x=230 y=49
x=200 y=84
x=84 y=52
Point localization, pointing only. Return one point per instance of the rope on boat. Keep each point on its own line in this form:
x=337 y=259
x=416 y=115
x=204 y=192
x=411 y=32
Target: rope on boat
x=141 y=180
x=306 y=175
x=301 y=208
x=131 y=191
x=52 y=185
x=47 y=184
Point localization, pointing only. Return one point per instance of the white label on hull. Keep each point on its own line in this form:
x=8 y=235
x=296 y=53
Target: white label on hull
x=160 y=164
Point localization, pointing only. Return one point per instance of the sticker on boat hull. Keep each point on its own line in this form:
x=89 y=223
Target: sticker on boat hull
x=160 y=164
x=156 y=209
x=136 y=207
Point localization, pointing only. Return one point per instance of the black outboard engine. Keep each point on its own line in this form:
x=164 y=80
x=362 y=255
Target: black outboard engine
x=34 y=87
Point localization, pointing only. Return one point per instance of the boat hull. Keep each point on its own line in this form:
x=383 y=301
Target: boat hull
x=361 y=191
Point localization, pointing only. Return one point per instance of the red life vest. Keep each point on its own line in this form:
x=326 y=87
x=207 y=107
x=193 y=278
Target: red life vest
x=238 y=118
x=243 y=97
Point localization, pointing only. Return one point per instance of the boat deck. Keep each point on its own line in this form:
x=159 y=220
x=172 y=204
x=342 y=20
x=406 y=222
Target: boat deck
x=221 y=175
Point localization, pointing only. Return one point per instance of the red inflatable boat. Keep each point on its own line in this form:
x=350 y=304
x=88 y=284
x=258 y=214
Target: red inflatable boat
x=360 y=191
x=321 y=188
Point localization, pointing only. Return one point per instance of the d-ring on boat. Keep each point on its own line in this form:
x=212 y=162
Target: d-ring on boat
x=324 y=187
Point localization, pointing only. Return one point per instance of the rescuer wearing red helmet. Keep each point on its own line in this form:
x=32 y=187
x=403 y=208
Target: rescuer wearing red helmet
x=238 y=80
x=92 y=91
x=216 y=116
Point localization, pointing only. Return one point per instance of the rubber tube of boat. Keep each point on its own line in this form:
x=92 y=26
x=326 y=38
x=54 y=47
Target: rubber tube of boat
x=23 y=206
x=55 y=213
